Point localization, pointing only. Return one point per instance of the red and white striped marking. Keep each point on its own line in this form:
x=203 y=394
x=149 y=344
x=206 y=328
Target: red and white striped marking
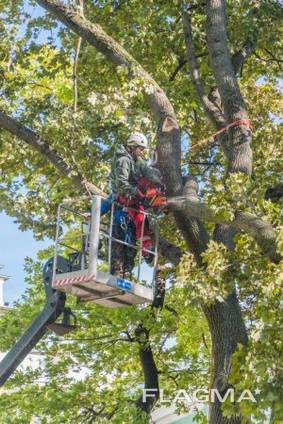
x=79 y=279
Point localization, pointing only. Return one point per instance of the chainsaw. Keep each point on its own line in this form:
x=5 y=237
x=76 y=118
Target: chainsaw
x=154 y=193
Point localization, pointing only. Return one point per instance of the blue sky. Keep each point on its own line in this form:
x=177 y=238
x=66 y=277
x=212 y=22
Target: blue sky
x=15 y=245
x=36 y=11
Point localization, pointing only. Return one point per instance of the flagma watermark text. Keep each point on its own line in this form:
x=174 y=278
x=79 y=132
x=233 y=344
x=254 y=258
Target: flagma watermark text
x=199 y=396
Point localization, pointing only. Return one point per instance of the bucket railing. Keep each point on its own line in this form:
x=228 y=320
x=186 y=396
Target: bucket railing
x=91 y=236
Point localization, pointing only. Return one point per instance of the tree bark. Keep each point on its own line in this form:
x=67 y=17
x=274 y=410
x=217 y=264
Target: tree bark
x=150 y=371
x=227 y=330
x=170 y=251
x=240 y=157
x=225 y=320
x=213 y=112
x=261 y=231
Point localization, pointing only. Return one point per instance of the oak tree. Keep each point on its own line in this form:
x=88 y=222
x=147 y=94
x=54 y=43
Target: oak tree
x=202 y=80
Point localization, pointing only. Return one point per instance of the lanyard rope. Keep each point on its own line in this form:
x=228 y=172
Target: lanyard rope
x=205 y=141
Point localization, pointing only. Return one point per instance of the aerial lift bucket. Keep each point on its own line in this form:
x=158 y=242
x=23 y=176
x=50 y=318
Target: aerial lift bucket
x=87 y=282
x=90 y=283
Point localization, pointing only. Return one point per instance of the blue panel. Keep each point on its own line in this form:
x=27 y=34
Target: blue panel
x=124 y=284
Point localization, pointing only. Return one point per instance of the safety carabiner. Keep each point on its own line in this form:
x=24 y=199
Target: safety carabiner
x=123 y=224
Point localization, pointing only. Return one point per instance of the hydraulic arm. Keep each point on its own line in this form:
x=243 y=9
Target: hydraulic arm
x=54 y=306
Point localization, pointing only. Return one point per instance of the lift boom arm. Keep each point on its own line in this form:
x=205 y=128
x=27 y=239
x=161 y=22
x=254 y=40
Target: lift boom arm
x=52 y=309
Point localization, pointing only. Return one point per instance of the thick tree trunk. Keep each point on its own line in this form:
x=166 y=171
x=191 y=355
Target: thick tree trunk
x=227 y=330
x=225 y=318
x=240 y=153
x=226 y=326
x=150 y=371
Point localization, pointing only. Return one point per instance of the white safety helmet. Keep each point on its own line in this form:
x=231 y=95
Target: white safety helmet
x=137 y=139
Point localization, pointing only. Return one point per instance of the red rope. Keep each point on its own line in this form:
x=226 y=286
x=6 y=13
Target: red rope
x=245 y=122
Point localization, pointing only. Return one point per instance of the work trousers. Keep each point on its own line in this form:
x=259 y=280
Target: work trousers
x=142 y=230
x=122 y=256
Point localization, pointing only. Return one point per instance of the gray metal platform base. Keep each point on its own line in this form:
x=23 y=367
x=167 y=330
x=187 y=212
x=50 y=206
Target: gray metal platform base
x=103 y=289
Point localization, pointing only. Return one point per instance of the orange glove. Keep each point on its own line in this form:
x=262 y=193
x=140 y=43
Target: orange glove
x=151 y=192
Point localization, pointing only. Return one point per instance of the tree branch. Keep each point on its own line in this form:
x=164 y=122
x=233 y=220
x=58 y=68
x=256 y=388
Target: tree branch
x=273 y=56
x=239 y=137
x=111 y=49
x=260 y=230
x=239 y=58
x=149 y=369
x=93 y=33
x=76 y=61
x=170 y=251
x=213 y=113
x=75 y=77
x=44 y=148
x=181 y=63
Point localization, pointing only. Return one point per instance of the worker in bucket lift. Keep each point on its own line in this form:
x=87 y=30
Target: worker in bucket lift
x=138 y=186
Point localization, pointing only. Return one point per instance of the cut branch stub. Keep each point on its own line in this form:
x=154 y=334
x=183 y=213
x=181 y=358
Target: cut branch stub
x=169 y=124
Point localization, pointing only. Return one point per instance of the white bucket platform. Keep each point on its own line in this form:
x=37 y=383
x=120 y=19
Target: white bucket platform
x=89 y=284
x=103 y=288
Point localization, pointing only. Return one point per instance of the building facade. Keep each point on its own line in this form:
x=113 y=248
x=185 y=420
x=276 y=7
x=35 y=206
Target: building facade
x=3 y=306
